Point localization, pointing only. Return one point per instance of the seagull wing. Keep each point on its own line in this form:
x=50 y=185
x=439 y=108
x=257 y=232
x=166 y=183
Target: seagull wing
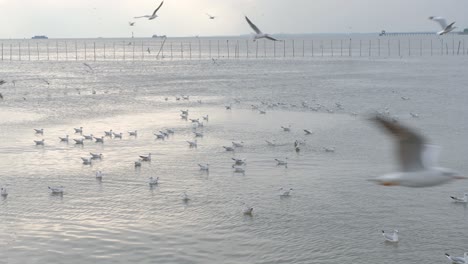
x=442 y=22
x=254 y=27
x=450 y=26
x=141 y=16
x=410 y=144
x=156 y=10
x=430 y=155
x=271 y=38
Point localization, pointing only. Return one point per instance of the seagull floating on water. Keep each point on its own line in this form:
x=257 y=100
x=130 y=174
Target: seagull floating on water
x=146 y=158
x=99 y=140
x=119 y=135
x=132 y=133
x=108 y=133
x=463 y=199
x=152 y=16
x=78 y=141
x=239 y=161
x=86 y=161
x=248 y=210
x=282 y=162
x=153 y=181
x=443 y=23
x=285 y=193
x=238 y=169
x=192 y=144
x=286 y=129
x=393 y=237
x=270 y=143
x=258 y=33
x=78 y=130
x=228 y=148
x=64 y=139
x=88 y=137
x=98 y=175
x=238 y=144
x=3 y=192
x=96 y=155
x=307 y=132
x=39 y=142
x=417 y=159
x=56 y=189
x=204 y=167
x=39 y=131
x=458 y=260
x=138 y=163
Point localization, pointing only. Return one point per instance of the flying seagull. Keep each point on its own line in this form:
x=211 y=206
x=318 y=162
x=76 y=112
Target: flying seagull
x=153 y=16
x=258 y=33
x=210 y=16
x=417 y=159
x=443 y=23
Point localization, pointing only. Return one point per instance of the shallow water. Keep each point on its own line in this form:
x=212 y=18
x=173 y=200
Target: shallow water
x=333 y=215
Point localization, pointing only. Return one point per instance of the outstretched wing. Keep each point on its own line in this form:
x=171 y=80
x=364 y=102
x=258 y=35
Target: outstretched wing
x=442 y=22
x=271 y=38
x=141 y=16
x=410 y=144
x=156 y=10
x=254 y=27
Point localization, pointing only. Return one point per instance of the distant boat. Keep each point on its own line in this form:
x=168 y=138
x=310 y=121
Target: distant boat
x=40 y=37
x=156 y=36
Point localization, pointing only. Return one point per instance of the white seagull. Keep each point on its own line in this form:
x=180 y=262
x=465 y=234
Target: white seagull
x=204 y=167
x=286 y=129
x=153 y=181
x=78 y=130
x=463 y=199
x=39 y=142
x=56 y=189
x=417 y=160
x=99 y=140
x=258 y=33
x=153 y=16
x=88 y=137
x=86 y=161
x=39 y=131
x=146 y=158
x=228 y=148
x=98 y=175
x=307 y=132
x=3 y=192
x=64 y=139
x=108 y=133
x=78 y=141
x=285 y=193
x=458 y=260
x=443 y=23
x=248 y=210
x=393 y=237
x=132 y=133
x=282 y=162
x=192 y=144
x=238 y=144
x=239 y=161
x=95 y=155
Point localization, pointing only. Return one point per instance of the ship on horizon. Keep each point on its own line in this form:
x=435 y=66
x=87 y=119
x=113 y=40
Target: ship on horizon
x=40 y=37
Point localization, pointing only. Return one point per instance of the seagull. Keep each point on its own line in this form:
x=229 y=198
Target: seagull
x=248 y=210
x=405 y=98
x=270 y=143
x=108 y=133
x=286 y=129
x=117 y=135
x=307 y=132
x=98 y=175
x=192 y=144
x=159 y=136
x=258 y=33
x=86 y=161
x=153 y=16
x=237 y=144
x=393 y=237
x=443 y=23
x=186 y=97
x=282 y=162
x=95 y=155
x=205 y=117
x=132 y=133
x=330 y=149
x=184 y=112
x=210 y=16
x=170 y=131
x=414 y=115
x=39 y=131
x=148 y=50
x=87 y=65
x=458 y=260
x=153 y=181
x=239 y=161
x=78 y=141
x=131 y=23
x=204 y=167
x=198 y=134
x=228 y=148
x=88 y=137
x=146 y=158
x=228 y=107
x=285 y=193
x=3 y=192
x=262 y=112
x=64 y=139
x=138 y=163
x=185 y=197
x=238 y=169
x=39 y=142
x=99 y=140
x=463 y=199
x=417 y=160
x=56 y=189
x=195 y=120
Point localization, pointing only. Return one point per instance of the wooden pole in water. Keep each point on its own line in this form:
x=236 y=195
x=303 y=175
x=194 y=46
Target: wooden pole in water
x=378 y=43
x=94 y=50
x=142 y=51
x=264 y=48
x=113 y=47
x=293 y=48
x=218 y=49
x=446 y=47
x=133 y=50
x=247 y=45
x=171 y=51
x=459 y=44
x=441 y=47
x=238 y=48
x=349 y=48
x=227 y=46
x=66 y=50
x=256 y=49
x=85 y=52
x=19 y=50
x=47 y=51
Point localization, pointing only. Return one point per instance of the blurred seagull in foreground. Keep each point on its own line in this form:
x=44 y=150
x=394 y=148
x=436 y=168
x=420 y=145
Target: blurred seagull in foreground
x=393 y=237
x=153 y=16
x=258 y=33
x=458 y=260
x=417 y=160
x=443 y=23
x=463 y=199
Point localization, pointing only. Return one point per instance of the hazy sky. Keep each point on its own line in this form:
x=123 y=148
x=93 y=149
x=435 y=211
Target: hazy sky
x=109 y=18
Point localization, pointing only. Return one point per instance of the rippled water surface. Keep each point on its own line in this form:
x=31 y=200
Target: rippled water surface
x=333 y=214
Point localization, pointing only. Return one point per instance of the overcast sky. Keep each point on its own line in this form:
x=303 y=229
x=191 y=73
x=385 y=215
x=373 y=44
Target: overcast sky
x=109 y=18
